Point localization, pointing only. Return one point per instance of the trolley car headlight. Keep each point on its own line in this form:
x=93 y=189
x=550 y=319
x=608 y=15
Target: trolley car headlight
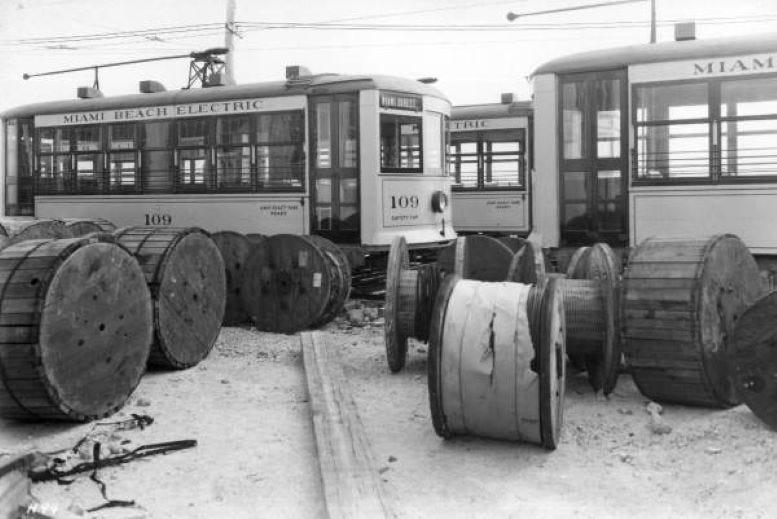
x=439 y=201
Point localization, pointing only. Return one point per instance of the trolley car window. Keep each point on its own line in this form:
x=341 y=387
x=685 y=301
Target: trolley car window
x=748 y=134
x=400 y=144
x=19 y=160
x=608 y=118
x=122 y=157
x=192 y=153
x=574 y=124
x=347 y=134
x=156 y=157
x=681 y=134
x=323 y=137
x=280 y=158
x=672 y=134
x=464 y=161
x=54 y=161
x=488 y=160
x=433 y=131
x=233 y=154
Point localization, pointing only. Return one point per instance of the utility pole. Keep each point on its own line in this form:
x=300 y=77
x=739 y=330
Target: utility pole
x=229 y=42
x=652 y=21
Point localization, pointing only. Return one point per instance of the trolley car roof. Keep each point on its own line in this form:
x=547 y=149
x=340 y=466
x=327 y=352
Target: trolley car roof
x=491 y=110
x=621 y=57
x=317 y=84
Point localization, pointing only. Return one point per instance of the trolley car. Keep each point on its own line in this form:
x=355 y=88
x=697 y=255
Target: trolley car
x=675 y=140
x=490 y=159
x=356 y=159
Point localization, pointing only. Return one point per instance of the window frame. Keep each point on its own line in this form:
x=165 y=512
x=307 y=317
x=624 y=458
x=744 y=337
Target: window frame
x=399 y=119
x=481 y=139
x=299 y=144
x=714 y=123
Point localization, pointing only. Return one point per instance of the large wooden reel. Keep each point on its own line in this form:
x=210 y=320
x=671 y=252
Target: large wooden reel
x=591 y=293
x=496 y=361
x=395 y=334
x=341 y=283
x=186 y=275
x=478 y=257
x=410 y=293
x=234 y=248
x=288 y=283
x=76 y=327
x=682 y=299
x=752 y=355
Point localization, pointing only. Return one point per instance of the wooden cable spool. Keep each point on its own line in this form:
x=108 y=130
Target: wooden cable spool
x=681 y=301
x=234 y=248
x=591 y=290
x=478 y=257
x=289 y=283
x=76 y=326
x=84 y=226
x=25 y=228
x=342 y=281
x=752 y=358
x=186 y=275
x=410 y=294
x=496 y=365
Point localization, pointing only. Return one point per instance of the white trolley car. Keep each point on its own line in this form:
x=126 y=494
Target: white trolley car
x=490 y=159
x=356 y=159
x=676 y=139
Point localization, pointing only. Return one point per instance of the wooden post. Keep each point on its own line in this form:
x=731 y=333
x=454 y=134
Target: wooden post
x=350 y=480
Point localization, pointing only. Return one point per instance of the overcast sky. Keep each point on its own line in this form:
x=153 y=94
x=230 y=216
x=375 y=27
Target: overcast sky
x=473 y=66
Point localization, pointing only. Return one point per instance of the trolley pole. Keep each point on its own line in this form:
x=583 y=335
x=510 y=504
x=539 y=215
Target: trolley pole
x=652 y=21
x=229 y=42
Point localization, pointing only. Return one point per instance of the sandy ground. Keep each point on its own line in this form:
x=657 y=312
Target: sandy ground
x=247 y=406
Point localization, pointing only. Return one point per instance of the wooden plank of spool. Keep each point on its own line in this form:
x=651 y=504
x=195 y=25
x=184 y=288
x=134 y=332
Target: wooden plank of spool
x=477 y=257
x=76 y=329
x=482 y=376
x=84 y=226
x=592 y=307
x=234 y=248
x=186 y=275
x=352 y=488
x=527 y=265
x=341 y=285
x=24 y=228
x=287 y=283
x=666 y=317
x=394 y=332
x=752 y=358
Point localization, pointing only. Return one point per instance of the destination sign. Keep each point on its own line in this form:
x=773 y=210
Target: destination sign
x=401 y=102
x=146 y=113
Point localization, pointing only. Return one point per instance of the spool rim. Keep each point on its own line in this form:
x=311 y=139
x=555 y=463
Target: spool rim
x=396 y=341
x=551 y=353
x=752 y=359
x=434 y=357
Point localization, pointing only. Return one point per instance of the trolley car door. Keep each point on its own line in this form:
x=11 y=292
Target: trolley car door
x=334 y=167
x=593 y=158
